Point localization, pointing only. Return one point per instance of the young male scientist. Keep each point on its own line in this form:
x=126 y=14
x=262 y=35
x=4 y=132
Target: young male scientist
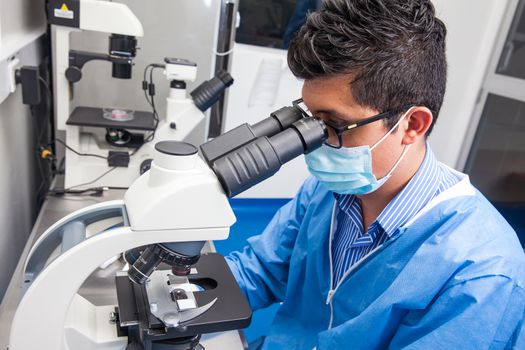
x=384 y=247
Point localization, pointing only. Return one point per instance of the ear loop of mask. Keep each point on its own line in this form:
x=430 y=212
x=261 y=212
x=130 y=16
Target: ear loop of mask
x=407 y=147
x=405 y=150
x=391 y=130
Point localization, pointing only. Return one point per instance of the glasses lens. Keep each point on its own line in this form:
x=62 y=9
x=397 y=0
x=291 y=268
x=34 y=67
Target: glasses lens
x=333 y=139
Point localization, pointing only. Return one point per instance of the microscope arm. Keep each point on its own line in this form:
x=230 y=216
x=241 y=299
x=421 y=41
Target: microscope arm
x=51 y=282
x=77 y=60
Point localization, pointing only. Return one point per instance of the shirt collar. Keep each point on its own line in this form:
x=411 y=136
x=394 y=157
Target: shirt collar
x=416 y=194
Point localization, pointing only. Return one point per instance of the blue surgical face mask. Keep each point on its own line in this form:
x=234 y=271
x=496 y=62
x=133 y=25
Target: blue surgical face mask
x=348 y=170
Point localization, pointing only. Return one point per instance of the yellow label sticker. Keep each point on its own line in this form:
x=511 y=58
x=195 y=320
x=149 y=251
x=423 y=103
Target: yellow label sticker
x=64 y=12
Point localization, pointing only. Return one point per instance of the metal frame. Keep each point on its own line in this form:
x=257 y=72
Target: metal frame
x=225 y=43
x=494 y=83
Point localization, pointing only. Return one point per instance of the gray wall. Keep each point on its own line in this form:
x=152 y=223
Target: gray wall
x=18 y=183
x=22 y=22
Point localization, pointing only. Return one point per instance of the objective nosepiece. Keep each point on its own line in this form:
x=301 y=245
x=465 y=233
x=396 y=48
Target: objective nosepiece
x=123 y=46
x=143 y=266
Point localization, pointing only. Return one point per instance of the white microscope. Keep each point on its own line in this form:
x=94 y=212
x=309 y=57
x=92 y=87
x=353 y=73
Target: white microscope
x=167 y=216
x=112 y=147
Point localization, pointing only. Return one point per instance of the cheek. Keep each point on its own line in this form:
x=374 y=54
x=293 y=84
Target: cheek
x=379 y=164
x=384 y=157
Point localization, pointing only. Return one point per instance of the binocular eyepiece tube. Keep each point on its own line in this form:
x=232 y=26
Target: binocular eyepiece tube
x=247 y=155
x=278 y=121
x=256 y=161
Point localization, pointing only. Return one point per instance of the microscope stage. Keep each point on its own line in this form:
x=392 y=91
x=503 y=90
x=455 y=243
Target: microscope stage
x=94 y=117
x=230 y=311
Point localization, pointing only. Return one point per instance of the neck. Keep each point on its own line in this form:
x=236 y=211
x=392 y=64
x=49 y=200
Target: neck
x=374 y=203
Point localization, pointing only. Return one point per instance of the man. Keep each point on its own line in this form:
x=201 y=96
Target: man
x=384 y=247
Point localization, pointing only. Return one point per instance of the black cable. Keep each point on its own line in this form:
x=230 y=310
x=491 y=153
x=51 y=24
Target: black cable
x=93 y=191
x=152 y=65
x=93 y=181
x=149 y=90
x=63 y=191
x=46 y=182
x=146 y=71
x=70 y=190
x=108 y=158
x=48 y=105
x=78 y=153
x=151 y=100
x=46 y=127
x=97 y=190
x=60 y=167
x=148 y=87
x=145 y=87
x=46 y=85
x=48 y=131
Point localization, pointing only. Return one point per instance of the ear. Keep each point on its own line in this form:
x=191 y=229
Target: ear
x=416 y=124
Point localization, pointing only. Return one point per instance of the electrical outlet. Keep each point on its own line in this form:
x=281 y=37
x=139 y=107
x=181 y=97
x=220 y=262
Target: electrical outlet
x=7 y=76
x=12 y=65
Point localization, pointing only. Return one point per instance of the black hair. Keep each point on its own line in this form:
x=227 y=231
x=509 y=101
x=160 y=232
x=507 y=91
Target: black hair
x=393 y=50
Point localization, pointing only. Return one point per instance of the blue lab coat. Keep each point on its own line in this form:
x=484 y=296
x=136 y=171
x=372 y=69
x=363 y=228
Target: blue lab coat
x=451 y=278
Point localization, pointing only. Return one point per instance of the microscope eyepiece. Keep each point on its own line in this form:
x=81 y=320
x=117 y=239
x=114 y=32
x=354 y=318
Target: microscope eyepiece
x=242 y=135
x=208 y=93
x=259 y=159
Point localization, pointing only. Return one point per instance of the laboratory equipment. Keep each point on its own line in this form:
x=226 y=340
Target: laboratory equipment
x=170 y=212
x=111 y=146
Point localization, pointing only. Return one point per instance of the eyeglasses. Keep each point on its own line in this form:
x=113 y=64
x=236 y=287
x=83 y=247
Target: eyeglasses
x=335 y=132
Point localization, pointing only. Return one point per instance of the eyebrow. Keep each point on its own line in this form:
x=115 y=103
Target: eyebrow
x=338 y=115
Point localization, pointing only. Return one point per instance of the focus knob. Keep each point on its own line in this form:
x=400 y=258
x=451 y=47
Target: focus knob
x=73 y=74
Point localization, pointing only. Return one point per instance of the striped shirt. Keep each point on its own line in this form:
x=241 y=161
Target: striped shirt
x=350 y=242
